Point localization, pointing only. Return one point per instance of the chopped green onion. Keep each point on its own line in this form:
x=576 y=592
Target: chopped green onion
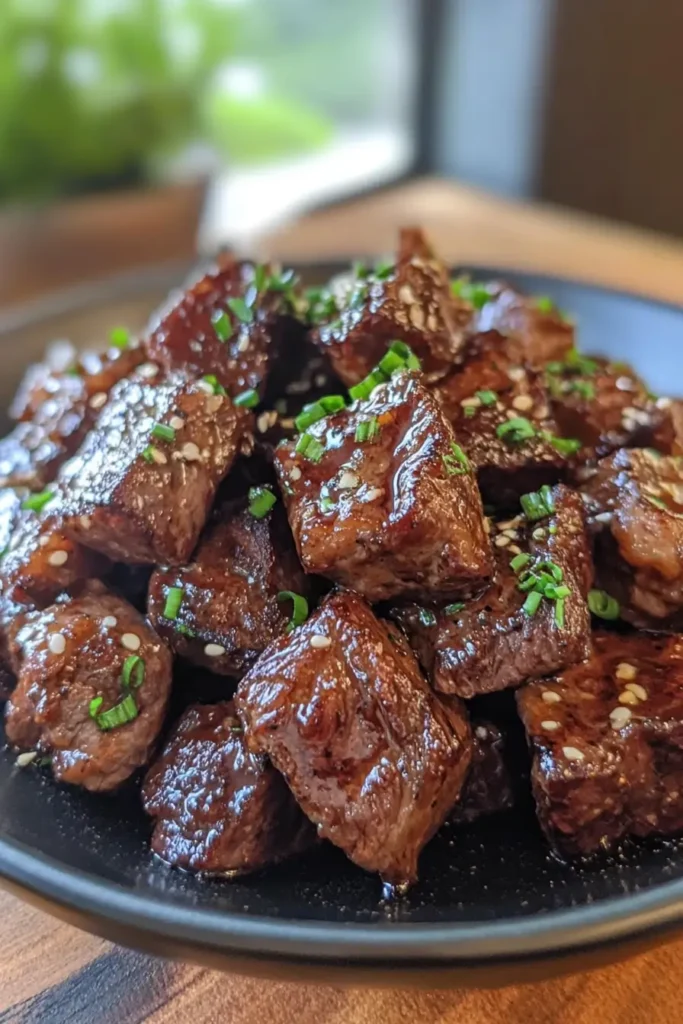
x=475 y=293
x=261 y=500
x=559 y=613
x=519 y=561
x=310 y=414
x=148 y=453
x=456 y=462
x=583 y=365
x=133 y=672
x=119 y=337
x=163 y=432
x=552 y=530
x=556 y=592
x=453 y=609
x=406 y=353
x=368 y=430
x=260 y=277
x=533 y=602
x=94 y=706
x=552 y=567
x=310 y=448
x=535 y=505
x=487 y=397
x=383 y=269
x=584 y=388
x=360 y=269
x=213 y=380
x=365 y=388
x=299 y=608
x=326 y=503
x=516 y=431
x=185 y=630
x=544 y=304
x=221 y=324
x=247 y=399
x=37 y=502
x=120 y=714
x=602 y=605
x=565 y=445
x=174 y=599
x=527 y=581
x=242 y=311
x=657 y=502
x=332 y=403
x=391 y=362
x=426 y=617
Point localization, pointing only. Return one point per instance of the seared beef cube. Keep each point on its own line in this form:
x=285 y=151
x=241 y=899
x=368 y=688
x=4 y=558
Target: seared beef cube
x=373 y=758
x=218 y=807
x=140 y=487
x=500 y=412
x=634 y=501
x=606 y=407
x=607 y=742
x=384 y=500
x=518 y=629
x=41 y=380
x=92 y=689
x=229 y=610
x=489 y=788
x=229 y=324
x=410 y=301
x=535 y=322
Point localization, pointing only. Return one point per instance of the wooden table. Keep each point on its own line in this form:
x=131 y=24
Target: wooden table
x=50 y=973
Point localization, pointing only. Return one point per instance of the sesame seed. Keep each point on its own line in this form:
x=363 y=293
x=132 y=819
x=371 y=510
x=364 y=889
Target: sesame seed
x=320 y=642
x=214 y=650
x=482 y=732
x=624 y=384
x=542 y=412
x=501 y=541
x=320 y=380
x=471 y=403
x=58 y=558
x=190 y=452
x=176 y=423
x=98 y=400
x=86 y=522
x=157 y=456
x=131 y=641
x=603 y=517
x=550 y=697
x=517 y=373
x=510 y=524
x=26 y=758
x=204 y=386
x=550 y=726
x=407 y=295
x=573 y=753
x=487 y=525
x=663 y=403
x=56 y=643
x=514 y=550
x=243 y=344
x=195 y=346
x=626 y=697
x=213 y=403
x=295 y=474
x=539 y=533
x=626 y=670
x=348 y=480
x=148 y=370
x=417 y=317
x=266 y=420
x=637 y=690
x=512 y=534
x=374 y=493
x=43 y=541
x=619 y=717
x=109 y=621
x=522 y=403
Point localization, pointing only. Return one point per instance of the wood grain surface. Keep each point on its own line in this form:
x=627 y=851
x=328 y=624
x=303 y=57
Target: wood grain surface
x=51 y=973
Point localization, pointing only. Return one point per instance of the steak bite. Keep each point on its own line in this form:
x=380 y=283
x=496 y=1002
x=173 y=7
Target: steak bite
x=607 y=743
x=229 y=324
x=535 y=321
x=140 y=487
x=227 y=599
x=410 y=300
x=500 y=412
x=489 y=787
x=533 y=619
x=380 y=497
x=92 y=689
x=374 y=759
x=220 y=808
x=634 y=502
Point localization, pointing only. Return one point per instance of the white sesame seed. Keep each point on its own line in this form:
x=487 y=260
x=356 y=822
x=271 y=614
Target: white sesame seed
x=407 y=295
x=512 y=534
x=487 y=525
x=43 y=541
x=98 y=400
x=417 y=317
x=542 y=412
x=266 y=420
x=56 y=643
x=243 y=344
x=158 y=456
x=471 y=403
x=348 y=480
x=109 y=621
x=190 y=452
x=204 y=386
x=320 y=380
x=550 y=697
x=195 y=346
x=148 y=370
x=26 y=758
x=522 y=403
x=176 y=423
x=213 y=403
x=374 y=493
x=626 y=670
x=295 y=474
x=58 y=558
x=603 y=517
x=637 y=690
x=624 y=384
x=619 y=717
x=517 y=373
x=501 y=541
x=131 y=641
x=514 y=550
x=573 y=753
x=482 y=732
x=214 y=650
x=538 y=533
x=510 y=524
x=626 y=697
x=86 y=522
x=320 y=642
x=663 y=403
x=550 y=726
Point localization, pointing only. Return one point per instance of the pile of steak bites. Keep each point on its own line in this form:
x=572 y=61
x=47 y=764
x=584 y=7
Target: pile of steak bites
x=357 y=509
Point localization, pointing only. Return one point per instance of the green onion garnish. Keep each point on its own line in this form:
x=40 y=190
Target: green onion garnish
x=519 y=561
x=163 y=432
x=119 y=337
x=260 y=277
x=657 y=502
x=299 y=608
x=332 y=403
x=310 y=448
x=185 y=630
x=426 y=617
x=221 y=324
x=475 y=293
x=516 y=431
x=456 y=462
x=582 y=365
x=365 y=388
x=559 y=613
x=37 y=502
x=538 y=504
x=544 y=304
x=242 y=311
x=584 y=388
x=360 y=269
x=368 y=430
x=487 y=397
x=310 y=414
x=247 y=399
x=383 y=269
x=533 y=602
x=133 y=671
x=174 y=599
x=564 y=445
x=94 y=706
x=148 y=453
x=390 y=363
x=261 y=500
x=453 y=609
x=120 y=714
x=602 y=605
x=406 y=353
x=213 y=380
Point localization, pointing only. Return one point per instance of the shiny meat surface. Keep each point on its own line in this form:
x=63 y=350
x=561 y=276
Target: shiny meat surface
x=634 y=502
x=489 y=786
x=410 y=301
x=372 y=756
x=492 y=392
x=398 y=514
x=493 y=643
x=70 y=655
x=540 y=327
x=141 y=486
x=239 y=348
x=220 y=808
x=607 y=742
x=229 y=611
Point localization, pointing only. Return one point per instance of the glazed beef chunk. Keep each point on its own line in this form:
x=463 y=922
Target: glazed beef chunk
x=535 y=321
x=229 y=324
x=606 y=406
x=635 y=508
x=92 y=689
x=383 y=499
x=229 y=609
x=374 y=759
x=489 y=786
x=607 y=742
x=220 y=808
x=410 y=300
x=141 y=486
x=500 y=412
x=519 y=628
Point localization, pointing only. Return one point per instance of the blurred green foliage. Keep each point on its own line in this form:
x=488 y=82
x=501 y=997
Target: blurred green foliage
x=252 y=130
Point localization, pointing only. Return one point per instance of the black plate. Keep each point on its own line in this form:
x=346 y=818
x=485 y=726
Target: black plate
x=492 y=904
